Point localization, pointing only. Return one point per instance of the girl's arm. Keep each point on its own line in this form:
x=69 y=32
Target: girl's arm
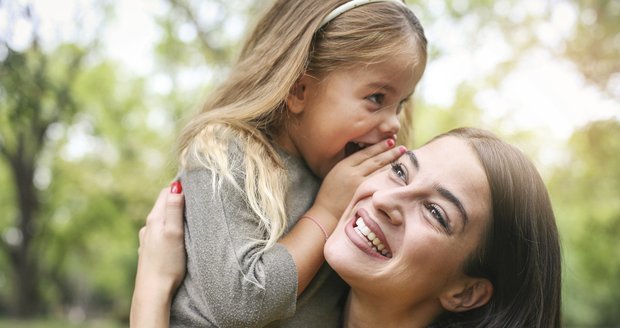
x=306 y=239
x=161 y=261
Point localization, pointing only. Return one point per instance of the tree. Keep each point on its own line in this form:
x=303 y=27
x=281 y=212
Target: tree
x=34 y=101
x=82 y=160
x=587 y=187
x=595 y=45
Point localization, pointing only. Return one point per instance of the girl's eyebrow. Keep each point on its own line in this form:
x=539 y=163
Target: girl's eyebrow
x=381 y=85
x=445 y=193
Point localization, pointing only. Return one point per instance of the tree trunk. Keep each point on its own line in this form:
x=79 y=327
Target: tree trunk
x=22 y=256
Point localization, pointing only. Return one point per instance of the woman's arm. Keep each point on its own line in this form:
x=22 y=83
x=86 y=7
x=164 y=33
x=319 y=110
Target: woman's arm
x=161 y=261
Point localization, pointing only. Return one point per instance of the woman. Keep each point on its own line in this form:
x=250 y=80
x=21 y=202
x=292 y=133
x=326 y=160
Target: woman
x=459 y=233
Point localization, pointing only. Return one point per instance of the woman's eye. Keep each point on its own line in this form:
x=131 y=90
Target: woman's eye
x=400 y=171
x=376 y=98
x=437 y=214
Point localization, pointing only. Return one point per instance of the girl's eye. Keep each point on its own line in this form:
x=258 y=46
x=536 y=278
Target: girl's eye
x=437 y=214
x=400 y=171
x=376 y=98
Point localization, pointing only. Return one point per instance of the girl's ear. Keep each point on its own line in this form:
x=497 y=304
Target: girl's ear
x=470 y=294
x=295 y=101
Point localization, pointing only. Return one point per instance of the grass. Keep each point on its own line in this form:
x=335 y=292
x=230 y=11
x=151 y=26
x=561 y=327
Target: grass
x=55 y=323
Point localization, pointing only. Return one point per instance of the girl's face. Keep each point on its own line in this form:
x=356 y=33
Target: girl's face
x=347 y=109
x=411 y=225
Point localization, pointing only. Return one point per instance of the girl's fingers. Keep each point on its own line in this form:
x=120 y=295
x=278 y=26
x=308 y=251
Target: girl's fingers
x=376 y=162
x=376 y=156
x=370 y=151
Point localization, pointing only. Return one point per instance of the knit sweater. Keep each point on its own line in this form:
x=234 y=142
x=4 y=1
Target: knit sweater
x=231 y=281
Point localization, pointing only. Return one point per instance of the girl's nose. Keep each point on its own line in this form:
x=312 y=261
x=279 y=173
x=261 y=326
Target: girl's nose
x=390 y=125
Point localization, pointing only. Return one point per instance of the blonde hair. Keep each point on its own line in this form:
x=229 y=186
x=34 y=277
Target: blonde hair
x=249 y=106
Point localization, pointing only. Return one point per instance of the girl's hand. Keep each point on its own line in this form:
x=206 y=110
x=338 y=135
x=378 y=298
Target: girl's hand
x=341 y=182
x=161 y=260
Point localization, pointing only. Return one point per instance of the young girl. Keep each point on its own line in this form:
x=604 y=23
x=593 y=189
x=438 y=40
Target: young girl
x=316 y=82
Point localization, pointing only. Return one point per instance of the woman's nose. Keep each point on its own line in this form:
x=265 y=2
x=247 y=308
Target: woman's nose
x=387 y=203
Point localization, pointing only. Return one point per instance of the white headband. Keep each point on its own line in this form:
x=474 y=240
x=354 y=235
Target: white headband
x=348 y=6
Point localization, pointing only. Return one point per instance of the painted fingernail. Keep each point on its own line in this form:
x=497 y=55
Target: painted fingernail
x=402 y=149
x=176 y=187
x=390 y=143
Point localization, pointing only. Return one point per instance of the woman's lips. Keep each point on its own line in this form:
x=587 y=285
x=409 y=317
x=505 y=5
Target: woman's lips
x=367 y=236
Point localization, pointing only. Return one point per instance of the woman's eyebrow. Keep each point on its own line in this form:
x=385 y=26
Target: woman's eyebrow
x=413 y=159
x=445 y=193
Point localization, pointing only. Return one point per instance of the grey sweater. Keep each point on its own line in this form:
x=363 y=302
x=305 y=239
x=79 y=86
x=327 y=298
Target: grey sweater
x=229 y=281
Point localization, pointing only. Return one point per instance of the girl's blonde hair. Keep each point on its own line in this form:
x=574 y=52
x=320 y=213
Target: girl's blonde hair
x=249 y=106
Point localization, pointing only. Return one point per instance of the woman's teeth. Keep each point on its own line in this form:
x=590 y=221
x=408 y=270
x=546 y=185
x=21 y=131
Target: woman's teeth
x=371 y=237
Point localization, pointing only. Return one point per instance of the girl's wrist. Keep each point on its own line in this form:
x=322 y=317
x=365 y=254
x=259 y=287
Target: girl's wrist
x=323 y=218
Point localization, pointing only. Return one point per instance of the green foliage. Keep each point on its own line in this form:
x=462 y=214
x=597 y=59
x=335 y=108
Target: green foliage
x=585 y=190
x=93 y=164
x=595 y=45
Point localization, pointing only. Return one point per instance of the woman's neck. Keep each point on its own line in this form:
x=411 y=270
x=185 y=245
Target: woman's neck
x=367 y=311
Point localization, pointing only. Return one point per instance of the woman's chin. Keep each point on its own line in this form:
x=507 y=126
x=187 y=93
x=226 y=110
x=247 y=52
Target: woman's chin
x=344 y=258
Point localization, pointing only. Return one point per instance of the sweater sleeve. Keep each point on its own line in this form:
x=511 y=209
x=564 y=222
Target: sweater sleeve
x=236 y=282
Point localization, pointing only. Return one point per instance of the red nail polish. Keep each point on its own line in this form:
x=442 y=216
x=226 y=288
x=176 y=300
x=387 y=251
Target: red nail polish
x=402 y=149
x=176 y=187
x=390 y=143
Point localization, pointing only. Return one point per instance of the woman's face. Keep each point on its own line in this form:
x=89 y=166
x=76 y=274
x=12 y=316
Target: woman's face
x=425 y=214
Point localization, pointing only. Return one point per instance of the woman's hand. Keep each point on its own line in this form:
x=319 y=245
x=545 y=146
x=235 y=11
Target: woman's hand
x=161 y=260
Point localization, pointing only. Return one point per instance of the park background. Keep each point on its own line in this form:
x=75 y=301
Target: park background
x=94 y=92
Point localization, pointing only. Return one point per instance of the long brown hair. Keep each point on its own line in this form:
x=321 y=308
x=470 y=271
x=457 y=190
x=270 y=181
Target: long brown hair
x=249 y=106
x=520 y=252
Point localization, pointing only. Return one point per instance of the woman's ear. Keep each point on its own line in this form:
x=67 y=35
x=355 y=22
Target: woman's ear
x=295 y=101
x=470 y=294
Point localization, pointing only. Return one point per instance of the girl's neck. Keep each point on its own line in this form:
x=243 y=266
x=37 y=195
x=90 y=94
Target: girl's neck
x=366 y=311
x=285 y=142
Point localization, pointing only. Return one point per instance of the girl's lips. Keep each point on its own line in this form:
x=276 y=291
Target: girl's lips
x=362 y=242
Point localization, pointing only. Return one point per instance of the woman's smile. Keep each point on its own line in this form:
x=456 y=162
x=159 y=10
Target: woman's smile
x=366 y=234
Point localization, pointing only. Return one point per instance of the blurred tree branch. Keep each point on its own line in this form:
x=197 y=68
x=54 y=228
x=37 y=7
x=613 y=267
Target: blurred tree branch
x=204 y=33
x=38 y=95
